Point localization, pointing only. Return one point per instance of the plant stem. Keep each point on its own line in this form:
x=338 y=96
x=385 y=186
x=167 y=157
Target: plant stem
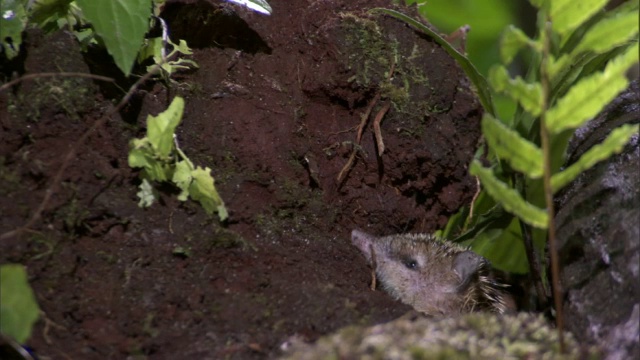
x=548 y=191
x=535 y=270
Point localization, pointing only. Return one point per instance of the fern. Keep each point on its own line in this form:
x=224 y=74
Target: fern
x=556 y=103
x=569 y=86
x=583 y=53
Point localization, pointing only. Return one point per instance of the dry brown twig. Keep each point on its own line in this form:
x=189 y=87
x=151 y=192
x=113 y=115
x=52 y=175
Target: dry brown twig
x=75 y=146
x=363 y=123
x=376 y=126
x=374 y=279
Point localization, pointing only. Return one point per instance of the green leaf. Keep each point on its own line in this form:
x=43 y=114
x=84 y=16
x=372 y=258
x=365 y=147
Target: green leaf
x=121 y=24
x=555 y=67
x=609 y=33
x=150 y=48
x=182 y=178
x=522 y=155
x=145 y=158
x=18 y=307
x=587 y=98
x=171 y=66
x=494 y=218
x=509 y=198
x=43 y=12
x=138 y=153
x=613 y=144
x=203 y=190
x=147 y=194
x=503 y=247
x=183 y=48
x=528 y=95
x=160 y=129
x=566 y=15
x=513 y=39
x=539 y=3
x=13 y=19
x=480 y=83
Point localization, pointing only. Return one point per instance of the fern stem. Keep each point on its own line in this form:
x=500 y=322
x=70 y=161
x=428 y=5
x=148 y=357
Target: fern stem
x=548 y=191
x=535 y=270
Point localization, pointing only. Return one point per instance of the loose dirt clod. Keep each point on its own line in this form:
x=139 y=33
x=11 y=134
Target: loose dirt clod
x=435 y=277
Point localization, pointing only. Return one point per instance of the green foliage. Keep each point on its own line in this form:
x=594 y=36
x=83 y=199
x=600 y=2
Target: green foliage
x=487 y=19
x=13 y=19
x=578 y=93
x=162 y=160
x=509 y=198
x=153 y=48
x=121 y=24
x=18 y=307
x=613 y=144
x=589 y=95
x=579 y=66
x=506 y=143
x=513 y=40
x=567 y=15
x=118 y=25
x=529 y=96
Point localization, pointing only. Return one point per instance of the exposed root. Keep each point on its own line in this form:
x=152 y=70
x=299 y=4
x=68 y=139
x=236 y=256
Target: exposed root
x=376 y=129
x=376 y=126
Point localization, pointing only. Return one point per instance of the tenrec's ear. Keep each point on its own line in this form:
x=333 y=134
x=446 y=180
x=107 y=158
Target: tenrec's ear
x=465 y=265
x=363 y=241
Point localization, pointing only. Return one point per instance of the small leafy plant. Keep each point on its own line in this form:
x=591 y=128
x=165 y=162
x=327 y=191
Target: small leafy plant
x=162 y=160
x=100 y=22
x=154 y=48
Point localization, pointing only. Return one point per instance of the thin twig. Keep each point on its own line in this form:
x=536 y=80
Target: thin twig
x=60 y=74
x=376 y=126
x=374 y=266
x=74 y=148
x=365 y=117
x=363 y=122
x=473 y=200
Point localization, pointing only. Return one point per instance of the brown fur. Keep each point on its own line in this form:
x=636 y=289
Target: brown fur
x=435 y=277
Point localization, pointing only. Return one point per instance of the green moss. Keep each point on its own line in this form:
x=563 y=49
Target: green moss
x=9 y=179
x=73 y=216
x=42 y=244
x=371 y=53
x=227 y=239
x=472 y=336
x=71 y=96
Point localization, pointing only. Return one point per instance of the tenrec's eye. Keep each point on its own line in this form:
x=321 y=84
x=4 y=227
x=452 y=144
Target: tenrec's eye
x=411 y=264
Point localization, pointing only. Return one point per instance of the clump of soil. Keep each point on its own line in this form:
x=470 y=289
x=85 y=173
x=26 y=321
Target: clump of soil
x=274 y=110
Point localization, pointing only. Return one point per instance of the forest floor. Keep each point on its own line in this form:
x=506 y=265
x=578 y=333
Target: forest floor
x=273 y=110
